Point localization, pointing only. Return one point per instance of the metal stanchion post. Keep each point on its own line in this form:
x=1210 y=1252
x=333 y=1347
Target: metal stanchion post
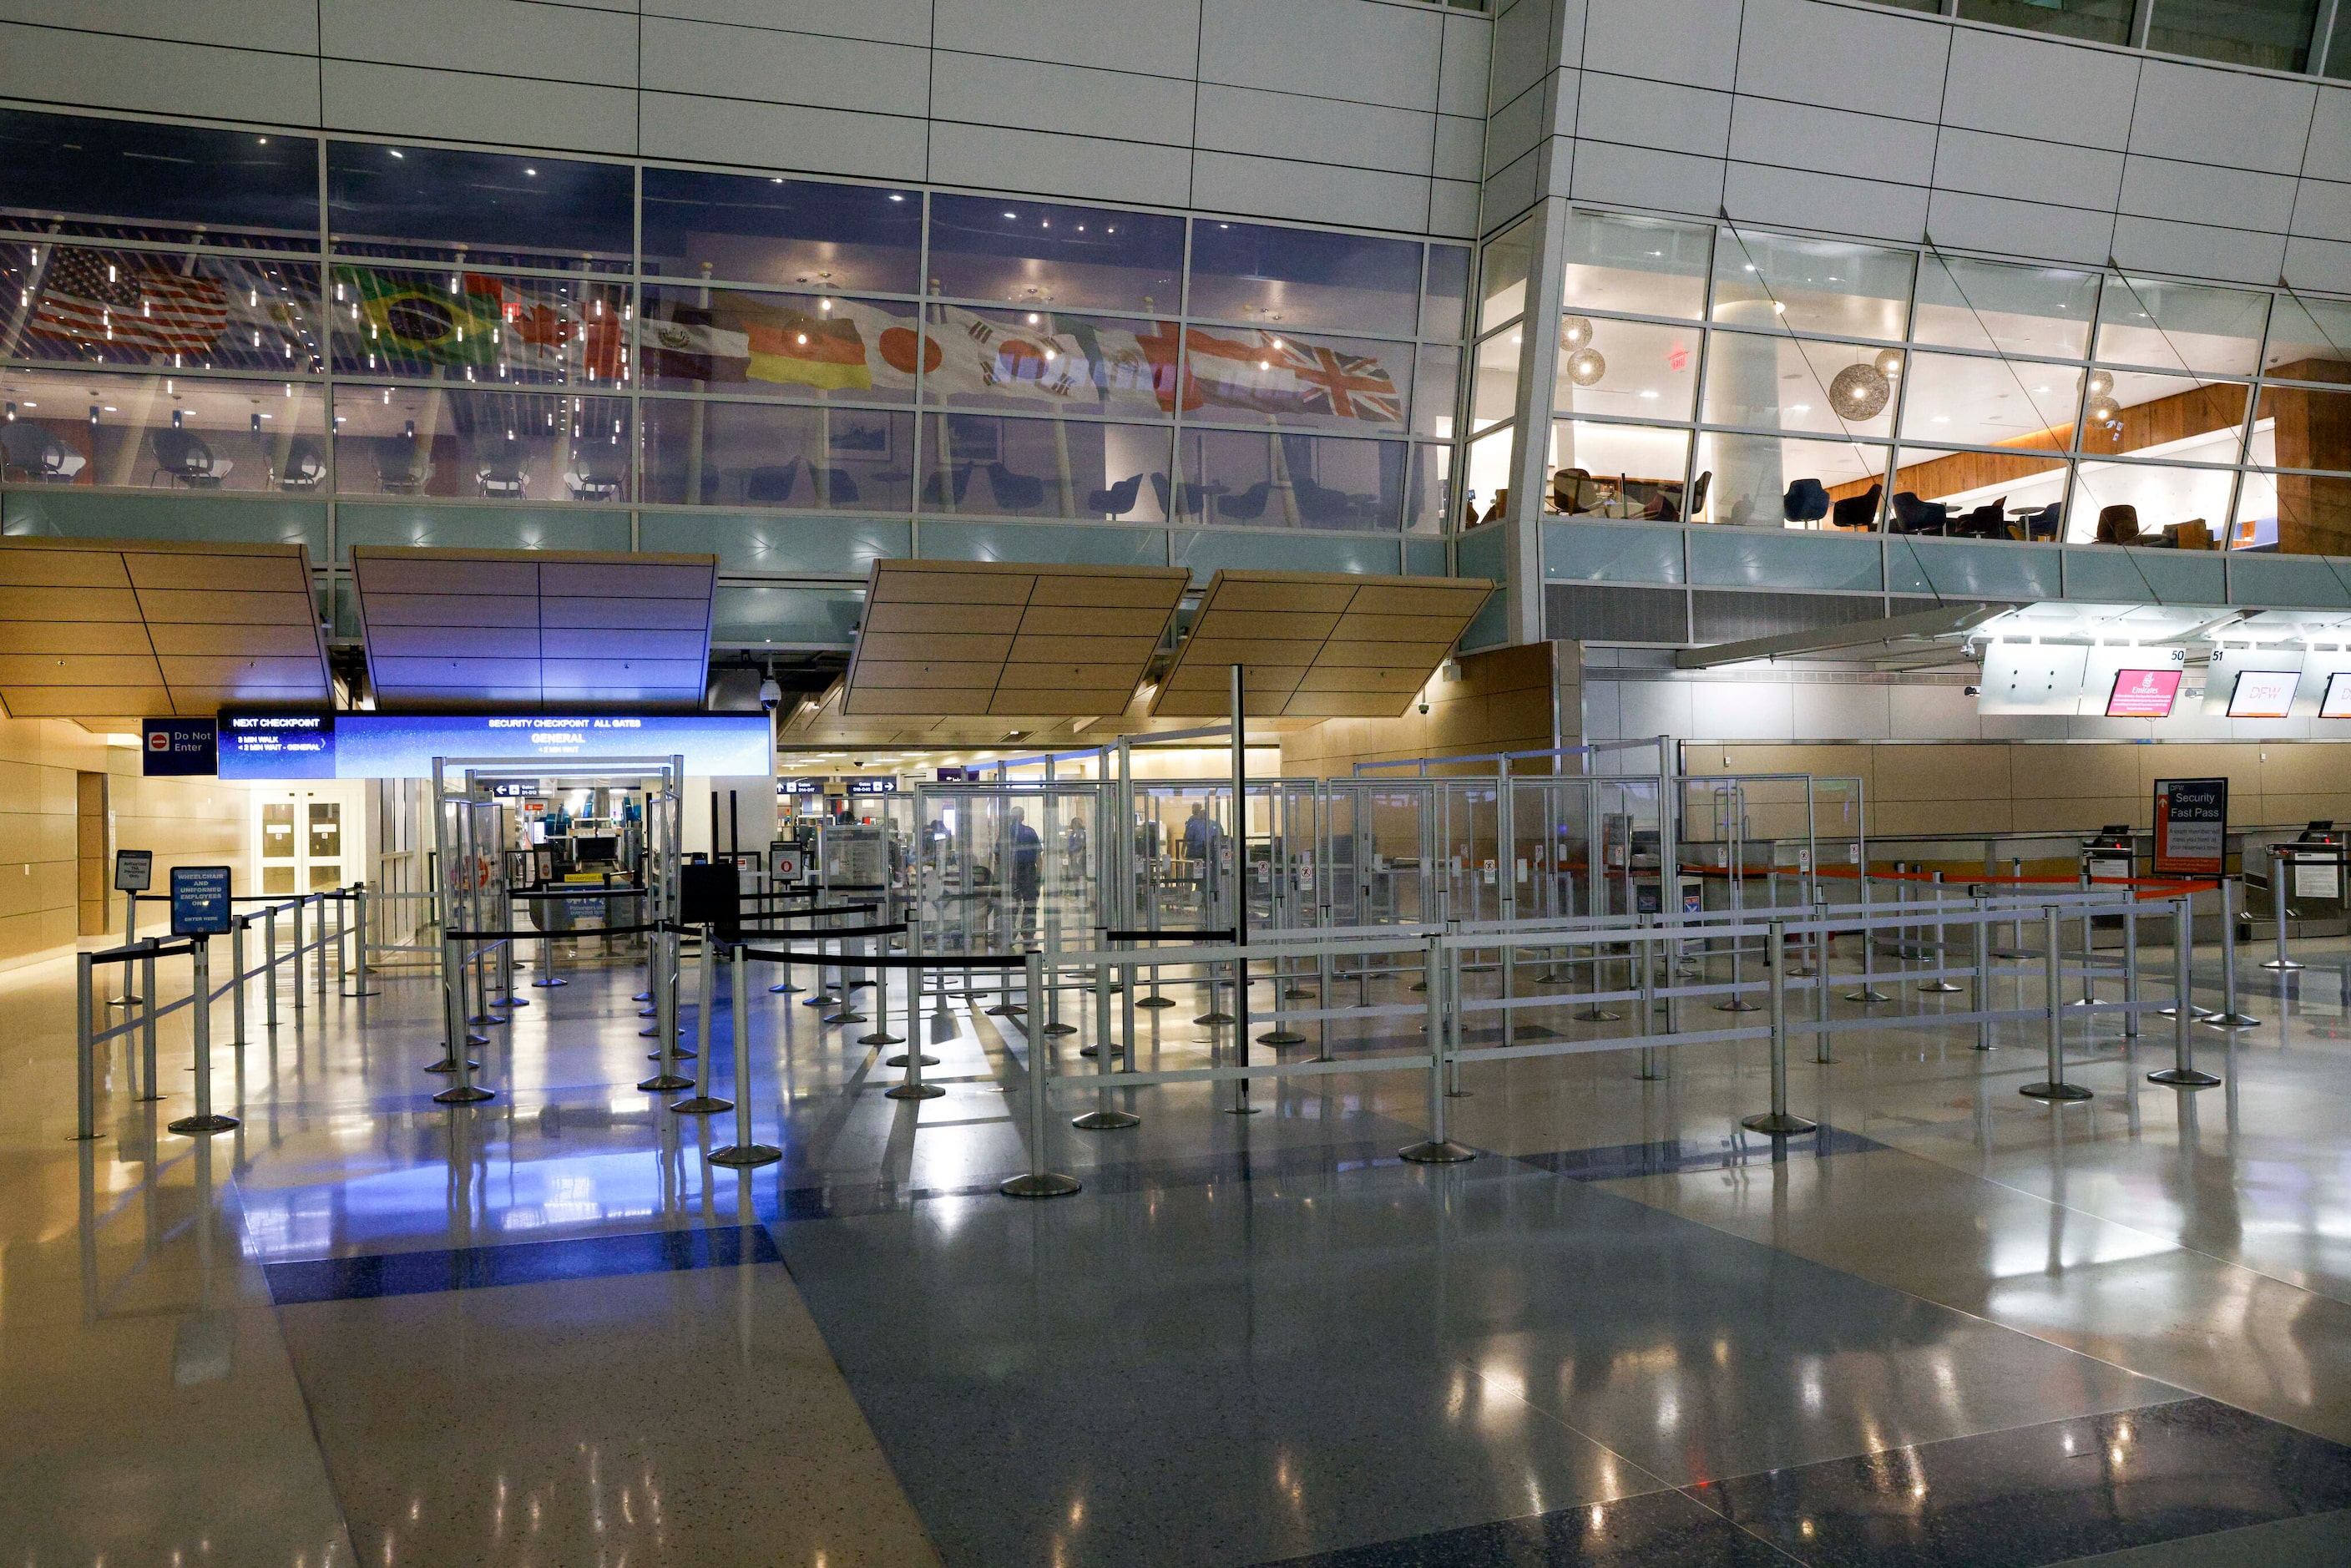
x=1104 y=1117
x=359 y=943
x=319 y=965
x=2278 y=864
x=465 y=1091
x=269 y=967
x=201 y=1027
x=236 y=967
x=705 y=1103
x=2182 y=1073
x=130 y=939
x=1649 y=1073
x=1821 y=975
x=2130 y=964
x=2231 y=1016
x=1941 y=983
x=913 y=1005
x=154 y=1090
x=1868 y=991
x=85 y=1050
x=667 y=1078
x=1979 y=983
x=743 y=1152
x=1778 y=1121
x=881 y=1035
x=1039 y=1182
x=2053 y=978
x=914 y=1088
x=298 y=954
x=1437 y=1149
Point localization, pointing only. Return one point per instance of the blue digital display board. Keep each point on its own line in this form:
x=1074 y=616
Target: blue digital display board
x=403 y=745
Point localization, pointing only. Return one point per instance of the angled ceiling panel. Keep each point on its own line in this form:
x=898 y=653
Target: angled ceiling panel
x=109 y=632
x=1317 y=645
x=576 y=631
x=996 y=639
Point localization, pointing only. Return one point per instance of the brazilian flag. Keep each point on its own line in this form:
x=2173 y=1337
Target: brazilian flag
x=411 y=321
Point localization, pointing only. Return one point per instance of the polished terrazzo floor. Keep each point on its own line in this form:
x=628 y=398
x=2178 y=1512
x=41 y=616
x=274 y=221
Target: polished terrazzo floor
x=1955 y=1327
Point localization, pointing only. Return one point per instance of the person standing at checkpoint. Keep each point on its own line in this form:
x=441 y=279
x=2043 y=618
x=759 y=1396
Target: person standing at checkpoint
x=1026 y=879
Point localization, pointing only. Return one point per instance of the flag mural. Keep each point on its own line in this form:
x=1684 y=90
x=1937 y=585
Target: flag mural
x=490 y=328
x=1045 y=361
x=146 y=308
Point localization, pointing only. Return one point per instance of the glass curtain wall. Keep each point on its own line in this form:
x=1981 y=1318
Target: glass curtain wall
x=401 y=327
x=1730 y=376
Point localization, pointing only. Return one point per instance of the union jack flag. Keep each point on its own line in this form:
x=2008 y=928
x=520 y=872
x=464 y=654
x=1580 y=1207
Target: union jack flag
x=101 y=299
x=1348 y=386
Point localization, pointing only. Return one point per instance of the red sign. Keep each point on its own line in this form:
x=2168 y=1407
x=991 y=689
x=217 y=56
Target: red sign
x=2143 y=694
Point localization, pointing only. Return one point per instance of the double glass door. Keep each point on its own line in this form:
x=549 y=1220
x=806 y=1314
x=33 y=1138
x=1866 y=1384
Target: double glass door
x=303 y=844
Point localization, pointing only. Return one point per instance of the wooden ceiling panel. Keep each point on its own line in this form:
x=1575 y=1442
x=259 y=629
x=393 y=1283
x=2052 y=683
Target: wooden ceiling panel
x=1349 y=646
x=926 y=701
x=83 y=622
x=1048 y=630
x=550 y=630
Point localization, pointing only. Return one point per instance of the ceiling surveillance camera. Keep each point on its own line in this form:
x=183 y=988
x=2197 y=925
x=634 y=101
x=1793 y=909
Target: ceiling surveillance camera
x=772 y=695
x=1423 y=705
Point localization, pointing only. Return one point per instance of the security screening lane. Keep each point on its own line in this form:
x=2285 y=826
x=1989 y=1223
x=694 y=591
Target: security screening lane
x=1582 y=1233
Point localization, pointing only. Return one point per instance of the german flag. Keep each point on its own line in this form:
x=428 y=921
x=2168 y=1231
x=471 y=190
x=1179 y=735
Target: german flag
x=803 y=350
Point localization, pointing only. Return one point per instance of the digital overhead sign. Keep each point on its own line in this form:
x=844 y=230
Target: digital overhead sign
x=2143 y=694
x=2336 y=703
x=270 y=746
x=2263 y=693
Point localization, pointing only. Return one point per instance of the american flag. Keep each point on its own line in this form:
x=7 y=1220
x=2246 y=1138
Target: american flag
x=101 y=298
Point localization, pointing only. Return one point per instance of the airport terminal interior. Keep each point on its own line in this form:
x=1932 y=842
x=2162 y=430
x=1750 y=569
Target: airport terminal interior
x=1338 y=783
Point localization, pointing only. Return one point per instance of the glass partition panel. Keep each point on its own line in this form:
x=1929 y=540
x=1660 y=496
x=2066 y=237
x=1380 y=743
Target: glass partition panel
x=1494 y=385
x=2338 y=51
x=1779 y=282
x=76 y=428
x=2181 y=325
x=1636 y=266
x=2102 y=21
x=1304 y=278
x=1444 y=297
x=2132 y=503
x=816 y=347
x=1267 y=480
x=1043 y=253
x=1629 y=369
x=1502 y=285
x=1436 y=376
x=2163 y=416
x=107 y=307
x=487 y=208
x=707 y=453
x=125 y=179
x=1617 y=471
x=985 y=465
x=459 y=325
x=2033 y=310
x=2310 y=339
x=2272 y=33
x=1792 y=384
x=433 y=527
x=1426 y=501
x=2302 y=427
x=761 y=229
x=490 y=446
x=1989 y=403
x=1253 y=375
x=2298 y=513
x=1761 y=481
x=1983 y=494
x=1485 y=486
x=1032 y=361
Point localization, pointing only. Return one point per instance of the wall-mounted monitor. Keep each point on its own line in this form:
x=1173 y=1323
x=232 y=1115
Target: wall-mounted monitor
x=2263 y=693
x=2143 y=694
x=2336 y=703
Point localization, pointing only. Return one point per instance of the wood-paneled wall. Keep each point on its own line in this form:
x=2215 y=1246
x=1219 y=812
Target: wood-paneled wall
x=1501 y=703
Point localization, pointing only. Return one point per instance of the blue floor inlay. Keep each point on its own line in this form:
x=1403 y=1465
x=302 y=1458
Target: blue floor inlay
x=522 y=1263
x=1677 y=1154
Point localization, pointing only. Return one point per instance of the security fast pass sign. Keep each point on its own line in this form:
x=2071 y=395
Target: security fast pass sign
x=2191 y=826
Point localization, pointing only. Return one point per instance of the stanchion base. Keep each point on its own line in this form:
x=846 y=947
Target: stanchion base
x=1105 y=1121
x=514 y=1001
x=845 y=1018
x=2233 y=1021
x=641 y=997
x=1595 y=1015
x=1867 y=996
x=879 y=1037
x=1737 y=1005
x=822 y=999
x=449 y=1065
x=1648 y=1078
x=485 y=1017
x=1067 y=1028
x=701 y=1106
x=559 y=981
x=355 y=996
x=1295 y=994
x=1213 y=1020
x=1009 y=1010
x=464 y=1094
x=786 y=989
x=1041 y=1184
x=202 y=1125
x=2279 y=967
x=1437 y=1152
x=1774 y=1124
x=912 y=1091
x=1941 y=989
x=679 y=1053
x=665 y=1083
x=2184 y=1078
x=744 y=1154
x=1281 y=1037
x=477 y=1039
x=1156 y=1001
x=2067 y=1092
x=900 y=1060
